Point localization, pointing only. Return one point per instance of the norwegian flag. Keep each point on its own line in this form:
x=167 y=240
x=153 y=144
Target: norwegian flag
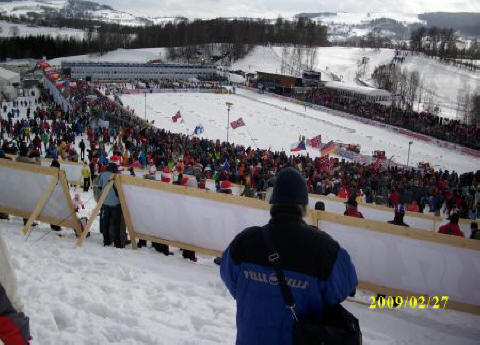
x=316 y=141
x=176 y=116
x=238 y=123
x=378 y=164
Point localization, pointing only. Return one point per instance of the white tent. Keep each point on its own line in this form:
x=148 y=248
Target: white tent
x=9 y=82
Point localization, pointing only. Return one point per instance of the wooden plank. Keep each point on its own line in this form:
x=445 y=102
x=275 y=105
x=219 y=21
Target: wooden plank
x=195 y=192
x=126 y=211
x=385 y=290
x=182 y=245
x=28 y=167
x=40 y=204
x=94 y=213
x=41 y=218
x=386 y=228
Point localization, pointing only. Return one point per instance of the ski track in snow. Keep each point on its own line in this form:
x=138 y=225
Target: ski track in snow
x=276 y=124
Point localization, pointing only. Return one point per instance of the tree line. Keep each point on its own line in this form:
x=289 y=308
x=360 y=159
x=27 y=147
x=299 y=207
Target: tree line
x=174 y=34
x=442 y=43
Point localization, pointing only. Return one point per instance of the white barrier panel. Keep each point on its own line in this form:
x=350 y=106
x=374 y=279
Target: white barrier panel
x=24 y=186
x=72 y=169
x=187 y=215
x=384 y=214
x=408 y=260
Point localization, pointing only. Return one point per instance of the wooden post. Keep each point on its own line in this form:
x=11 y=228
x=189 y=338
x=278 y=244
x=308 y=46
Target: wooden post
x=41 y=203
x=94 y=213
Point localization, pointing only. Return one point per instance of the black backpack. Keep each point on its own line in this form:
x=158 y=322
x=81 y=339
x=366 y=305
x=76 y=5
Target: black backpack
x=335 y=326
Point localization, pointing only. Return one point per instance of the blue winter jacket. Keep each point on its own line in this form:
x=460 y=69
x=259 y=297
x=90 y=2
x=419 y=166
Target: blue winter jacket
x=318 y=271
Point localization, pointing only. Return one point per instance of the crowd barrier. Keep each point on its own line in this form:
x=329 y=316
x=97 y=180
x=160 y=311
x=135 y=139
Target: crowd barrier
x=73 y=170
x=337 y=205
x=166 y=90
x=37 y=193
x=389 y=259
x=56 y=94
x=384 y=214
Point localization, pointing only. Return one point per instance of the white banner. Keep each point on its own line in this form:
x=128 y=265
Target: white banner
x=201 y=222
x=383 y=214
x=422 y=267
x=22 y=187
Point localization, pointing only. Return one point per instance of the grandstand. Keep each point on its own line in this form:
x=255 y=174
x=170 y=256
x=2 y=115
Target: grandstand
x=136 y=71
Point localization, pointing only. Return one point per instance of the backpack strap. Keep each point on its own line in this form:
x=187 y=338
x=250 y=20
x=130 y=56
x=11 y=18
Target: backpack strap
x=274 y=260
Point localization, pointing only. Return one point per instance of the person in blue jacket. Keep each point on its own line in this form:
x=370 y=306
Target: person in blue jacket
x=319 y=272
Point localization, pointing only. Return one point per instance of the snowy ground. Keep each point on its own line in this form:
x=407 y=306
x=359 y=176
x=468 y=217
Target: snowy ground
x=276 y=124
x=119 y=55
x=95 y=295
x=8 y=29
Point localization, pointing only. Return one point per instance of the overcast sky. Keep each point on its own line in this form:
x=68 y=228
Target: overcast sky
x=273 y=8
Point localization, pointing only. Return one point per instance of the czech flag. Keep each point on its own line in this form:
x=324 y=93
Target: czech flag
x=298 y=146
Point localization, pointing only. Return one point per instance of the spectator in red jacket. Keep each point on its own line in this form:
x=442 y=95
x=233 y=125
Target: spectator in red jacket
x=452 y=228
x=351 y=208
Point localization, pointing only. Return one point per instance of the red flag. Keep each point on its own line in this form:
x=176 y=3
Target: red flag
x=316 y=141
x=176 y=116
x=238 y=123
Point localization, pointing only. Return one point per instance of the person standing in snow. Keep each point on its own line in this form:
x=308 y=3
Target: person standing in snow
x=82 y=149
x=111 y=213
x=14 y=325
x=318 y=271
x=452 y=227
x=351 y=208
x=86 y=175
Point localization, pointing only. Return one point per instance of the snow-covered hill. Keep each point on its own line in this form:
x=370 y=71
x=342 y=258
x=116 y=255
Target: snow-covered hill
x=78 y=9
x=8 y=29
x=345 y=25
x=119 y=55
x=442 y=82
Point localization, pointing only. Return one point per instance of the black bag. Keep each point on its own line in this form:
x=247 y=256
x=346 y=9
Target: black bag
x=336 y=326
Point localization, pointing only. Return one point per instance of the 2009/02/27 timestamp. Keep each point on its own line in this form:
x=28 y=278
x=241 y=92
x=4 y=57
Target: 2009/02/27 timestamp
x=412 y=302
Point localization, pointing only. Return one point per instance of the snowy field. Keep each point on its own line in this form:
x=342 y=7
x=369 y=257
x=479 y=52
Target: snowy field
x=8 y=29
x=119 y=55
x=276 y=124
x=95 y=296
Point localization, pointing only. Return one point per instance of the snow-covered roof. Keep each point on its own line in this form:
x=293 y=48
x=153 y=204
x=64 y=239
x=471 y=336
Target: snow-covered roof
x=363 y=90
x=5 y=74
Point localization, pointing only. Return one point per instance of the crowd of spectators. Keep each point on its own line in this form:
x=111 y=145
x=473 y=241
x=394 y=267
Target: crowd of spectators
x=421 y=122
x=50 y=132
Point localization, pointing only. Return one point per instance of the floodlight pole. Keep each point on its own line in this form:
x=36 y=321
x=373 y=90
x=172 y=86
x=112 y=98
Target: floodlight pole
x=145 y=107
x=408 y=157
x=229 y=106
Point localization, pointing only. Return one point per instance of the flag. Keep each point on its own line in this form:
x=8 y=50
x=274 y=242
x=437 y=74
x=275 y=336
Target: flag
x=298 y=146
x=198 y=130
x=176 y=116
x=316 y=141
x=62 y=83
x=238 y=123
x=328 y=149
